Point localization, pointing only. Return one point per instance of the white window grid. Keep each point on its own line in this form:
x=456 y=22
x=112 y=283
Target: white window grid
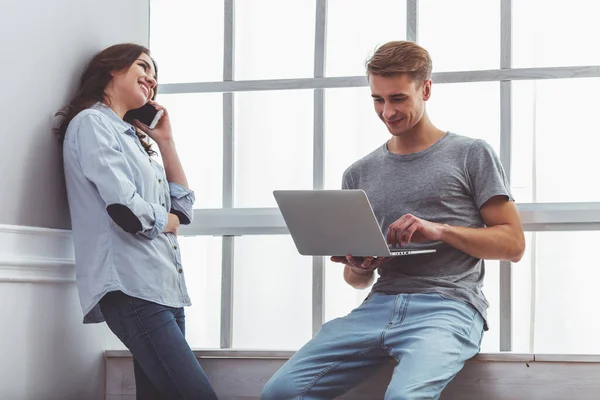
x=229 y=222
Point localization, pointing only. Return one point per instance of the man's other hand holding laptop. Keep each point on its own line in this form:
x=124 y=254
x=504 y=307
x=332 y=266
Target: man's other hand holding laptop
x=405 y=230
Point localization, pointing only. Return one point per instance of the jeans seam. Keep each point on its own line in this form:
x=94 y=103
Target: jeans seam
x=401 y=319
x=390 y=350
x=330 y=368
x=405 y=309
x=153 y=346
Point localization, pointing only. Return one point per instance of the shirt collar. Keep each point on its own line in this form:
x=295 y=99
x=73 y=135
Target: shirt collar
x=104 y=109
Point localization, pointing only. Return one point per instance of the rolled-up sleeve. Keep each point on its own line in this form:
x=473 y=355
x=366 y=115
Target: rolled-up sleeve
x=104 y=164
x=182 y=202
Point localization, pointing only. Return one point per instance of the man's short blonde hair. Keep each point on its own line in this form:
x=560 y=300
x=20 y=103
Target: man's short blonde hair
x=401 y=58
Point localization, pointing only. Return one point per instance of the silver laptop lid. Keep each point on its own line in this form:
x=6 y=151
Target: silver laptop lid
x=333 y=223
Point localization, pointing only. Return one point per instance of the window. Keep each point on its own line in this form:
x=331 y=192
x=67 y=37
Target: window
x=272 y=128
x=566 y=275
x=451 y=107
x=273 y=145
x=491 y=289
x=355 y=29
x=267 y=270
x=187 y=37
x=197 y=123
x=340 y=298
x=554 y=34
x=201 y=257
x=523 y=298
x=274 y=39
x=352 y=130
x=461 y=35
x=555 y=146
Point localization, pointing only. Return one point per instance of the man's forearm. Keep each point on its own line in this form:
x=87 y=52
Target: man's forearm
x=358 y=280
x=499 y=242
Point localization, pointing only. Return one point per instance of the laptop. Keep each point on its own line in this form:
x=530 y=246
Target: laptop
x=335 y=223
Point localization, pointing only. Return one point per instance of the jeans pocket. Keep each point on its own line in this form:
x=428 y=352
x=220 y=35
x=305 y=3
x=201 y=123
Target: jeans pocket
x=463 y=315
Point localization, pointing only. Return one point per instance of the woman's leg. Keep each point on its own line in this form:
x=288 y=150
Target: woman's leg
x=154 y=335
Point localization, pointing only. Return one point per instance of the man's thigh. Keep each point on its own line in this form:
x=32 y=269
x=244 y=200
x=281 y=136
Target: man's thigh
x=431 y=345
x=344 y=352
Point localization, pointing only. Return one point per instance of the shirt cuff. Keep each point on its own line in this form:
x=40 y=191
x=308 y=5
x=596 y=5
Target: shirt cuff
x=160 y=221
x=179 y=191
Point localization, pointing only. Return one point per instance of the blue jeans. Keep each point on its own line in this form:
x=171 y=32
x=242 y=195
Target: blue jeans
x=165 y=367
x=429 y=336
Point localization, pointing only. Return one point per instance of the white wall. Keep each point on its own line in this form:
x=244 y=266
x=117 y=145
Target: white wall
x=45 y=351
x=44 y=45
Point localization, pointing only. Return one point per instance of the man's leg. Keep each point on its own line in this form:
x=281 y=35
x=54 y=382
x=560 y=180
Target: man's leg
x=153 y=334
x=344 y=352
x=431 y=341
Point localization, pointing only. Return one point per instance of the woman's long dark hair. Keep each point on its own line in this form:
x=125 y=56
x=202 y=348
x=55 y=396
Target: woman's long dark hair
x=95 y=79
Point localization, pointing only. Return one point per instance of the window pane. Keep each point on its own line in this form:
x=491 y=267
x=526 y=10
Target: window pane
x=555 y=34
x=186 y=39
x=522 y=299
x=197 y=122
x=352 y=130
x=201 y=258
x=469 y=109
x=461 y=35
x=491 y=290
x=274 y=39
x=272 y=294
x=356 y=28
x=340 y=298
x=566 y=305
x=555 y=143
x=274 y=139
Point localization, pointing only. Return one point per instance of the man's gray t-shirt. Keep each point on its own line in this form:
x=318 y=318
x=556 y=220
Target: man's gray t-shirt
x=446 y=183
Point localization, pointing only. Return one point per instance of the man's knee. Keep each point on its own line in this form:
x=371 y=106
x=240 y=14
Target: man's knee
x=415 y=391
x=416 y=385
x=279 y=388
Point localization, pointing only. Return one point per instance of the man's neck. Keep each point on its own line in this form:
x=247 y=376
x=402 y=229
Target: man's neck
x=420 y=137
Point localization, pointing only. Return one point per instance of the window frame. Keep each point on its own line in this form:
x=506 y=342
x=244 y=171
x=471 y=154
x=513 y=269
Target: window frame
x=229 y=222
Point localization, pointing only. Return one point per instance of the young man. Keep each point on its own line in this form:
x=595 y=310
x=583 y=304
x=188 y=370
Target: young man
x=428 y=188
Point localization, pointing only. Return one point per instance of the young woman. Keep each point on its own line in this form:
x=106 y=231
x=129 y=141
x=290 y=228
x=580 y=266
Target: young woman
x=125 y=212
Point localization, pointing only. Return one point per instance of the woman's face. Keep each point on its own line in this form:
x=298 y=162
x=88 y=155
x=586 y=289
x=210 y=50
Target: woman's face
x=134 y=86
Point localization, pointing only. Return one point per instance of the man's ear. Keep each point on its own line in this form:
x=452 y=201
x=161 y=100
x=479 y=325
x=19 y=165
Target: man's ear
x=427 y=89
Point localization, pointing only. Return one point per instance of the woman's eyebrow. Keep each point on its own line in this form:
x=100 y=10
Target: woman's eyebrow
x=147 y=64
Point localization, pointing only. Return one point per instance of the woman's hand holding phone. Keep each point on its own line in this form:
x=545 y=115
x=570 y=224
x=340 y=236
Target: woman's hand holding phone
x=162 y=132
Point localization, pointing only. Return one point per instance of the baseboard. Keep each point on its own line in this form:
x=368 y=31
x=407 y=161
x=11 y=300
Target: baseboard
x=36 y=255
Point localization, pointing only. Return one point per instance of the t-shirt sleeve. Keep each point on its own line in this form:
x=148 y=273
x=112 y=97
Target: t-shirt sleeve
x=486 y=175
x=347 y=180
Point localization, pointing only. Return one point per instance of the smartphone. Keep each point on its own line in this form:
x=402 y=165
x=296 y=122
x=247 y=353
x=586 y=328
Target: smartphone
x=146 y=114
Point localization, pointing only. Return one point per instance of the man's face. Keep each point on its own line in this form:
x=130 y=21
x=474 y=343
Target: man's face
x=399 y=101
